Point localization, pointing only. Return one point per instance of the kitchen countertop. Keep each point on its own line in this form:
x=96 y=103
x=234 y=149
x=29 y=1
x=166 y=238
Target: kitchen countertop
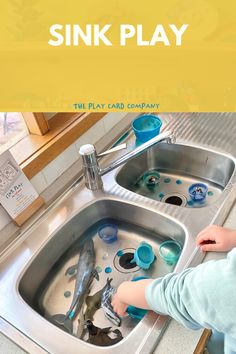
x=176 y=338
x=8 y=347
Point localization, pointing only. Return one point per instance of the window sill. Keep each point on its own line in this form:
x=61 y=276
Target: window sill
x=34 y=152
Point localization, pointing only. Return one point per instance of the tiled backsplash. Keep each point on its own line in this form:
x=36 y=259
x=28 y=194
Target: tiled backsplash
x=47 y=179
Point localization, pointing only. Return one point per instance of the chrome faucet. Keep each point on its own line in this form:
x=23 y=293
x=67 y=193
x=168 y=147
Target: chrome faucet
x=93 y=172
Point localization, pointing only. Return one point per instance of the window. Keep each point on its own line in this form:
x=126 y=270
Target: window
x=12 y=129
x=36 y=138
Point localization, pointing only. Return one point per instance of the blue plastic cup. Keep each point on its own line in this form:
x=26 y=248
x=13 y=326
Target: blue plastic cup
x=146 y=127
x=144 y=256
x=198 y=192
x=108 y=233
x=136 y=312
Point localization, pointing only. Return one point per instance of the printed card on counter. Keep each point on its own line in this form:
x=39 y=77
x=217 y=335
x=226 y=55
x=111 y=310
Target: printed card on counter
x=17 y=195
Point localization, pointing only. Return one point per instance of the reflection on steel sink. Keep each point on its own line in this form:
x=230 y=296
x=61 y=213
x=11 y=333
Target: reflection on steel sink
x=42 y=281
x=179 y=167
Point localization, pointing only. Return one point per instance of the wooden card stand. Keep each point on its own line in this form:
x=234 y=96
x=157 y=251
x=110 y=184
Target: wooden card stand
x=29 y=211
x=200 y=348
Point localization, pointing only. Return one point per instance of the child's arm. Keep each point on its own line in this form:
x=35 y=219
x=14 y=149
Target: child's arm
x=131 y=292
x=216 y=239
x=222 y=240
x=197 y=297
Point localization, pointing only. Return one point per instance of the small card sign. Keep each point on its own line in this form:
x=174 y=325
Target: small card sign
x=17 y=194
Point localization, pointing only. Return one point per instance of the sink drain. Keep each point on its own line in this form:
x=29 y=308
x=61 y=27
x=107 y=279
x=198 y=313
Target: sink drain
x=125 y=261
x=175 y=199
x=122 y=261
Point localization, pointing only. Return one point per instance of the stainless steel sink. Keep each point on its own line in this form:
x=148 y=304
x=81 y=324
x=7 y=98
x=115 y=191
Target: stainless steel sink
x=43 y=284
x=33 y=275
x=32 y=280
x=179 y=167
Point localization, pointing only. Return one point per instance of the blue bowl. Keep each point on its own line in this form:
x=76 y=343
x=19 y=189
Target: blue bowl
x=170 y=251
x=108 y=233
x=198 y=192
x=133 y=311
x=146 y=127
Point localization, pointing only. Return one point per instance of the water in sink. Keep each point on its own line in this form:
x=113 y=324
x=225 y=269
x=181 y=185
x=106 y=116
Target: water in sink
x=46 y=289
x=179 y=167
x=173 y=189
x=112 y=260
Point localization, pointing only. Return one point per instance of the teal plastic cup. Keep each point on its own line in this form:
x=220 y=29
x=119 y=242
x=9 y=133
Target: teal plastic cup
x=144 y=256
x=170 y=251
x=151 y=178
x=136 y=312
x=146 y=127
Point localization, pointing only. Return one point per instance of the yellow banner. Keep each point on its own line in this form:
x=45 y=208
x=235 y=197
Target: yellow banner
x=117 y=55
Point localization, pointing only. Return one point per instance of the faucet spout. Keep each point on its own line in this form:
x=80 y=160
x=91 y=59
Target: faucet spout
x=92 y=171
x=165 y=136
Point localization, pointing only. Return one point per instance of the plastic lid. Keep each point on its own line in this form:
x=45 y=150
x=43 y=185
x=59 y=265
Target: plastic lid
x=86 y=149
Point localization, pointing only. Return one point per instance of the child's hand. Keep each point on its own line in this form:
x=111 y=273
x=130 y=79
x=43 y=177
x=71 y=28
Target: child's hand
x=217 y=239
x=119 y=306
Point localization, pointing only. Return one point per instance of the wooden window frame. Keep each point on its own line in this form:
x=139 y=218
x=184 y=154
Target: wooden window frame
x=49 y=138
x=36 y=122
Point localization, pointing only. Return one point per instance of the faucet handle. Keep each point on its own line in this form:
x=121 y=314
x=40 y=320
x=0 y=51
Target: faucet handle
x=89 y=149
x=116 y=148
x=86 y=149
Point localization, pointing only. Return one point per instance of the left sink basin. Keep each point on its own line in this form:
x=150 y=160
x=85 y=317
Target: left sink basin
x=42 y=282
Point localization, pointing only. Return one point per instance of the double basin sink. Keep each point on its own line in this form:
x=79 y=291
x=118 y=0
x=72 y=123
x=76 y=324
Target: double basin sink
x=33 y=281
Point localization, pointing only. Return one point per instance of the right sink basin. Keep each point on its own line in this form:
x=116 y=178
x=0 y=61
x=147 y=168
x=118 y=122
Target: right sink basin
x=177 y=167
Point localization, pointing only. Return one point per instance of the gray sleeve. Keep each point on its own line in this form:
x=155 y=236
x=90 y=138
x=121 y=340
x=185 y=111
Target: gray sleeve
x=199 y=297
